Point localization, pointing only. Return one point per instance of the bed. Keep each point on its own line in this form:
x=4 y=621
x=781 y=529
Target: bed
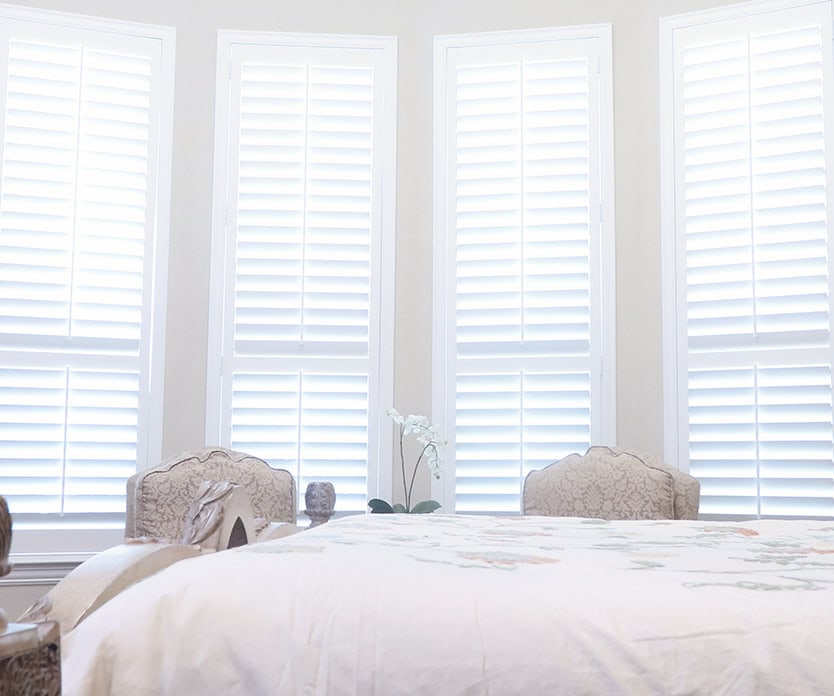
x=456 y=604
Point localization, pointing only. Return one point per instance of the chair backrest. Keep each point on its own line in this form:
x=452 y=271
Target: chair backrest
x=158 y=499
x=611 y=484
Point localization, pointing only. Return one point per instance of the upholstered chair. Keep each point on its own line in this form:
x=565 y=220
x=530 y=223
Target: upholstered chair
x=158 y=499
x=196 y=502
x=611 y=484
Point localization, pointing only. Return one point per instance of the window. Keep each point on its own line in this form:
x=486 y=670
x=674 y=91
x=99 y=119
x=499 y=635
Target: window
x=523 y=333
x=84 y=175
x=300 y=367
x=747 y=191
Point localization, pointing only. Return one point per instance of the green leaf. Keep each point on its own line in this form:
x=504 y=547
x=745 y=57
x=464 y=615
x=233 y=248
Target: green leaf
x=425 y=506
x=379 y=506
x=399 y=507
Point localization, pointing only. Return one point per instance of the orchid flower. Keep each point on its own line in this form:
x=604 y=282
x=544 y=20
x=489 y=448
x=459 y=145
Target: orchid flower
x=432 y=448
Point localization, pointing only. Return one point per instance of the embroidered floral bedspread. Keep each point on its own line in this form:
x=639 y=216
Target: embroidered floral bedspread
x=443 y=604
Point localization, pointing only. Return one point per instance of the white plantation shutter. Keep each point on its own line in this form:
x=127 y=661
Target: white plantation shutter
x=300 y=369
x=82 y=113
x=304 y=208
x=508 y=424
x=68 y=441
x=74 y=193
x=524 y=124
x=315 y=425
x=752 y=121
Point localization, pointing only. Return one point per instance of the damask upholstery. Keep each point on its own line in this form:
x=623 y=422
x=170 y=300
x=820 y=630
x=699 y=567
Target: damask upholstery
x=686 y=488
x=611 y=484
x=159 y=498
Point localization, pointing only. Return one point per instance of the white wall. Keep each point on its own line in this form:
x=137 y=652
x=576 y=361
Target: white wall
x=414 y=22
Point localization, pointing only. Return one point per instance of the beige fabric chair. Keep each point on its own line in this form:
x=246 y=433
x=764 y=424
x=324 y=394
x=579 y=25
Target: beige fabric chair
x=195 y=502
x=159 y=498
x=611 y=484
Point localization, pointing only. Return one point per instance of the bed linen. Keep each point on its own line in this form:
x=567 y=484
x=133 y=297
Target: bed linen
x=456 y=604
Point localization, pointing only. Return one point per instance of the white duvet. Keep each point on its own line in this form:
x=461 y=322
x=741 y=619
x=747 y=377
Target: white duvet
x=443 y=604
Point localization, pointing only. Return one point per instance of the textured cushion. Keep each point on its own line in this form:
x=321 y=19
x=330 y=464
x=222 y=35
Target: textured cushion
x=602 y=483
x=158 y=498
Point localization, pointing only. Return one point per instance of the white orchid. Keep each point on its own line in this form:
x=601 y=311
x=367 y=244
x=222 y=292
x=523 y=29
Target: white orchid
x=428 y=437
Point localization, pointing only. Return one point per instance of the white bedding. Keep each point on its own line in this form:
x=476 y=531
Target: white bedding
x=442 y=604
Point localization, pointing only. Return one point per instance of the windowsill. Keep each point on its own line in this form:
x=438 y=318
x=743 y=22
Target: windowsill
x=41 y=569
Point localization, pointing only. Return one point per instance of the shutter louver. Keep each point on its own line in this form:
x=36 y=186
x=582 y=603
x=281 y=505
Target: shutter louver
x=74 y=187
x=523 y=209
x=760 y=440
x=522 y=170
x=511 y=424
x=74 y=267
x=318 y=420
x=304 y=210
x=752 y=129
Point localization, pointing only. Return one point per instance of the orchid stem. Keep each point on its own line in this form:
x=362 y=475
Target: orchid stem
x=402 y=466
x=413 y=476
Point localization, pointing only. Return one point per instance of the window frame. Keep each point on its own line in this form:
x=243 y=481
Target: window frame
x=38 y=544
x=381 y=331
x=673 y=251
x=602 y=257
